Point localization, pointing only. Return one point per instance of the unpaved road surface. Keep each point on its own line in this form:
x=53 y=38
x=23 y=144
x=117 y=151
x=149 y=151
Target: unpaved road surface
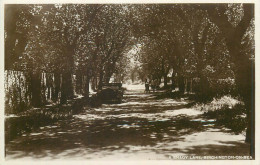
x=141 y=128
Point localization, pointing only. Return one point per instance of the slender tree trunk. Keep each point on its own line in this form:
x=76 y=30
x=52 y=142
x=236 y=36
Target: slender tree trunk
x=48 y=85
x=11 y=35
x=93 y=83
x=188 y=85
x=96 y=83
x=48 y=93
x=185 y=85
x=204 y=91
x=43 y=88
x=173 y=80
x=181 y=83
x=52 y=86
x=132 y=77
x=191 y=85
x=165 y=80
x=100 y=83
x=107 y=79
x=66 y=87
x=86 y=92
x=79 y=83
x=57 y=81
x=36 y=89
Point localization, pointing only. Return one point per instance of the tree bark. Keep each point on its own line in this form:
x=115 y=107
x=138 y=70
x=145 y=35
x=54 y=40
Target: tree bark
x=107 y=79
x=191 y=85
x=79 y=83
x=36 y=89
x=66 y=88
x=94 y=83
x=181 y=83
x=48 y=84
x=245 y=81
x=100 y=83
x=86 y=92
x=165 y=80
x=11 y=18
x=204 y=90
x=56 y=86
x=173 y=81
x=188 y=85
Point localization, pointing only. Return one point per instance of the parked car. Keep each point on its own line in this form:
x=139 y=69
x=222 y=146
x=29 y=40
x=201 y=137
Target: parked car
x=111 y=93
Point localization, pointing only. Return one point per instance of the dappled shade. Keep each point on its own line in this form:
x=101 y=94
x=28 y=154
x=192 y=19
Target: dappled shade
x=163 y=128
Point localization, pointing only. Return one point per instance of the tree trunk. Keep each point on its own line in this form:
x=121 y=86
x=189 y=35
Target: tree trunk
x=204 y=91
x=245 y=81
x=94 y=83
x=57 y=82
x=249 y=100
x=173 y=81
x=181 y=83
x=11 y=19
x=79 y=83
x=185 y=85
x=191 y=85
x=48 y=93
x=66 y=88
x=100 y=83
x=36 y=89
x=52 y=87
x=48 y=85
x=188 y=85
x=86 y=92
x=165 y=80
x=107 y=79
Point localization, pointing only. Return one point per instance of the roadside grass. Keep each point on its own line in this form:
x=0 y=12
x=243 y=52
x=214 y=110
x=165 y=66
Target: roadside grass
x=227 y=110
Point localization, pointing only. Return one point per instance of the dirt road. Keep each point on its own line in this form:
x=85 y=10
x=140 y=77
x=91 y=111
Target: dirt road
x=142 y=127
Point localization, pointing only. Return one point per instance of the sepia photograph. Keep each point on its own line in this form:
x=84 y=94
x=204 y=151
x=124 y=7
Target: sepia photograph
x=146 y=81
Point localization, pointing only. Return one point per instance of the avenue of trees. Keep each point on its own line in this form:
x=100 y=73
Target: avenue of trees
x=83 y=40
x=208 y=44
x=214 y=43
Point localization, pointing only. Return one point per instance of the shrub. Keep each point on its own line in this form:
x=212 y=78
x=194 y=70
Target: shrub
x=227 y=111
x=232 y=118
x=211 y=88
x=221 y=87
x=218 y=103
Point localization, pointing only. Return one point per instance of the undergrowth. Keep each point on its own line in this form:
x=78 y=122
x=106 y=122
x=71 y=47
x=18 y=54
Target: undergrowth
x=228 y=112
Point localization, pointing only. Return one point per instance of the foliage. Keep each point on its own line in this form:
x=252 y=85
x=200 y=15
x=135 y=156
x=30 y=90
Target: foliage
x=233 y=118
x=218 y=103
x=227 y=111
x=67 y=38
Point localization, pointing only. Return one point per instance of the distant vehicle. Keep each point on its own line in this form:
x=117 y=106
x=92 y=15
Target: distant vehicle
x=111 y=93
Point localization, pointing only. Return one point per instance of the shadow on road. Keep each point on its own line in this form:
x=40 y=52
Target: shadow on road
x=142 y=124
